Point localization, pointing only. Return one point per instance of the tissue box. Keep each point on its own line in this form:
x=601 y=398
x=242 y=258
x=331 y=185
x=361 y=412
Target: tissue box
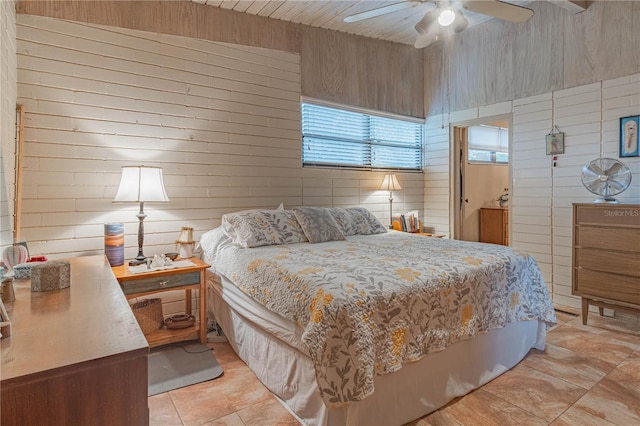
x=52 y=275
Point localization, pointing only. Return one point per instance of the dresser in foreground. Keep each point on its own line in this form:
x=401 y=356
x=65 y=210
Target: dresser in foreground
x=606 y=257
x=75 y=356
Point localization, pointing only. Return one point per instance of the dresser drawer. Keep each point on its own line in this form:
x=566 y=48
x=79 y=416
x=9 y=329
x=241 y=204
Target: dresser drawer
x=607 y=286
x=144 y=285
x=624 y=239
x=609 y=261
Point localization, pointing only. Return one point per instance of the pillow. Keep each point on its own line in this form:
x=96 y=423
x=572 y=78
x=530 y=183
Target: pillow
x=318 y=224
x=210 y=241
x=255 y=228
x=357 y=221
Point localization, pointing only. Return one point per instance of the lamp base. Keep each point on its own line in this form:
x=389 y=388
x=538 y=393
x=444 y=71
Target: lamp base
x=139 y=260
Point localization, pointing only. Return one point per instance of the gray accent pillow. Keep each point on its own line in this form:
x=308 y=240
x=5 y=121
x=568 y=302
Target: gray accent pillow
x=357 y=221
x=318 y=224
x=254 y=228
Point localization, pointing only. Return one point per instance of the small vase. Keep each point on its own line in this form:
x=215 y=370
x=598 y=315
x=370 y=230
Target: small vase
x=114 y=243
x=14 y=255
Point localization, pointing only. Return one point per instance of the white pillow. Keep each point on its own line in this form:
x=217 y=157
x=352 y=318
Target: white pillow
x=210 y=241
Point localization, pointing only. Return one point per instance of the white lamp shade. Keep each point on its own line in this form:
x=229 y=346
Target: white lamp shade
x=390 y=183
x=186 y=235
x=141 y=184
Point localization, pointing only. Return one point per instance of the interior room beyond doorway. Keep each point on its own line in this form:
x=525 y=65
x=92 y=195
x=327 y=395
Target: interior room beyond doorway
x=483 y=186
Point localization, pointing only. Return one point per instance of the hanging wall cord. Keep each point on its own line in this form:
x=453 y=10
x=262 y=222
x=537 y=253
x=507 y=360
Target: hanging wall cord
x=601 y=127
x=442 y=76
x=553 y=190
x=17 y=199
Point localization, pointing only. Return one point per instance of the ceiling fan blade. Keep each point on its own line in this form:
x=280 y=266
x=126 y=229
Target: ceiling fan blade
x=500 y=10
x=380 y=11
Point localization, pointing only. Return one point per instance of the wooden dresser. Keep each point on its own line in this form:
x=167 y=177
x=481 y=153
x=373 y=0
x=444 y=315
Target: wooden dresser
x=606 y=256
x=494 y=225
x=75 y=356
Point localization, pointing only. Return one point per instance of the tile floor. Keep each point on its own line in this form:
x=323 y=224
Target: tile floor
x=588 y=375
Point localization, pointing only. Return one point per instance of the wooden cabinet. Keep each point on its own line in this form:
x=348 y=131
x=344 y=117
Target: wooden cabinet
x=494 y=225
x=606 y=256
x=153 y=282
x=75 y=356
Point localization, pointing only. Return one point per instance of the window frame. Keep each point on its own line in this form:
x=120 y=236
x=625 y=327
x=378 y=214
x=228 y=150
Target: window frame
x=368 y=142
x=493 y=153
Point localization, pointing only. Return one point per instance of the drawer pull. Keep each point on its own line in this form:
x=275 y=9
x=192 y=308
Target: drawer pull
x=162 y=283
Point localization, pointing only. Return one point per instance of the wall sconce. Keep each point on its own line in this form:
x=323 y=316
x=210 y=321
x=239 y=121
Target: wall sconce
x=390 y=183
x=141 y=184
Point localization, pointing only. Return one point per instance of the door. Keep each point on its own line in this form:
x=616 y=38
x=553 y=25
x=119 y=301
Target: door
x=477 y=183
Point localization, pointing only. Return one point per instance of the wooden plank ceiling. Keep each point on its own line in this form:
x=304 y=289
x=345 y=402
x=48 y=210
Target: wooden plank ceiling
x=329 y=14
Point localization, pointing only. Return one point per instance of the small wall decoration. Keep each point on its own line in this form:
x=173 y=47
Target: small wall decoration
x=629 y=136
x=555 y=142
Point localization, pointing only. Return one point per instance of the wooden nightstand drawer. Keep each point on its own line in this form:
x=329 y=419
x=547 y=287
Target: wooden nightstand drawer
x=144 y=285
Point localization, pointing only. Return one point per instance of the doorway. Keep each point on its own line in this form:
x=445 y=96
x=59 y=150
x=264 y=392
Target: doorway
x=481 y=173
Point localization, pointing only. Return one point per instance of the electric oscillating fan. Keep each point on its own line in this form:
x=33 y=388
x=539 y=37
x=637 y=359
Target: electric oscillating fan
x=606 y=177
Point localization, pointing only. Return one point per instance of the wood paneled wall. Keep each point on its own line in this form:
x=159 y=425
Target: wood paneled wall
x=177 y=17
x=556 y=49
x=337 y=67
x=379 y=76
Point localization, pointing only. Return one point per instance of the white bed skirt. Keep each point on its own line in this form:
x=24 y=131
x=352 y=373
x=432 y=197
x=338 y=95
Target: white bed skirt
x=412 y=392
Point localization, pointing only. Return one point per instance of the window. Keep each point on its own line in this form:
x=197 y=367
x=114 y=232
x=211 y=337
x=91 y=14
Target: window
x=488 y=144
x=341 y=138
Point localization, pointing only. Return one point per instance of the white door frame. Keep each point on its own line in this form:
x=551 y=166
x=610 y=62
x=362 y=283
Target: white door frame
x=456 y=168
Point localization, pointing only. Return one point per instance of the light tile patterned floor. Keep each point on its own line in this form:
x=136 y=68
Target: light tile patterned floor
x=588 y=375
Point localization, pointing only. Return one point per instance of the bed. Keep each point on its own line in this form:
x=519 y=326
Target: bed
x=350 y=324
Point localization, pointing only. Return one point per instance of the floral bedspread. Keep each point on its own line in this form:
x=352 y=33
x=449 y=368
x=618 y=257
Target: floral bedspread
x=372 y=303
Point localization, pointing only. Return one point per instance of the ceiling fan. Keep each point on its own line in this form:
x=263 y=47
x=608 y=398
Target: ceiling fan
x=448 y=16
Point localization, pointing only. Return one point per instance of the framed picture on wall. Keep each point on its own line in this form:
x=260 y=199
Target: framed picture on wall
x=555 y=143
x=629 y=136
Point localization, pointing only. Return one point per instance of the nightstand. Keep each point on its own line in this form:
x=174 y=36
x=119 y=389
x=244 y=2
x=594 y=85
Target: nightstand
x=425 y=234
x=154 y=282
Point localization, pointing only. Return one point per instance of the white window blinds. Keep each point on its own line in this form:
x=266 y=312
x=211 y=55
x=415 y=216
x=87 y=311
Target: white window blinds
x=489 y=138
x=336 y=137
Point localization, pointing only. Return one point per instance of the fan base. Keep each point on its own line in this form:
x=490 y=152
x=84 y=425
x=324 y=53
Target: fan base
x=607 y=200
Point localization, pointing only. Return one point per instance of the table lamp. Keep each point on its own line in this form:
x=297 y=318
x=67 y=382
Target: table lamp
x=390 y=183
x=141 y=184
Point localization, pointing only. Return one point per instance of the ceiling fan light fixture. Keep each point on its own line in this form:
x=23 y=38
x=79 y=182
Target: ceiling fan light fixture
x=446 y=17
x=426 y=22
x=460 y=23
